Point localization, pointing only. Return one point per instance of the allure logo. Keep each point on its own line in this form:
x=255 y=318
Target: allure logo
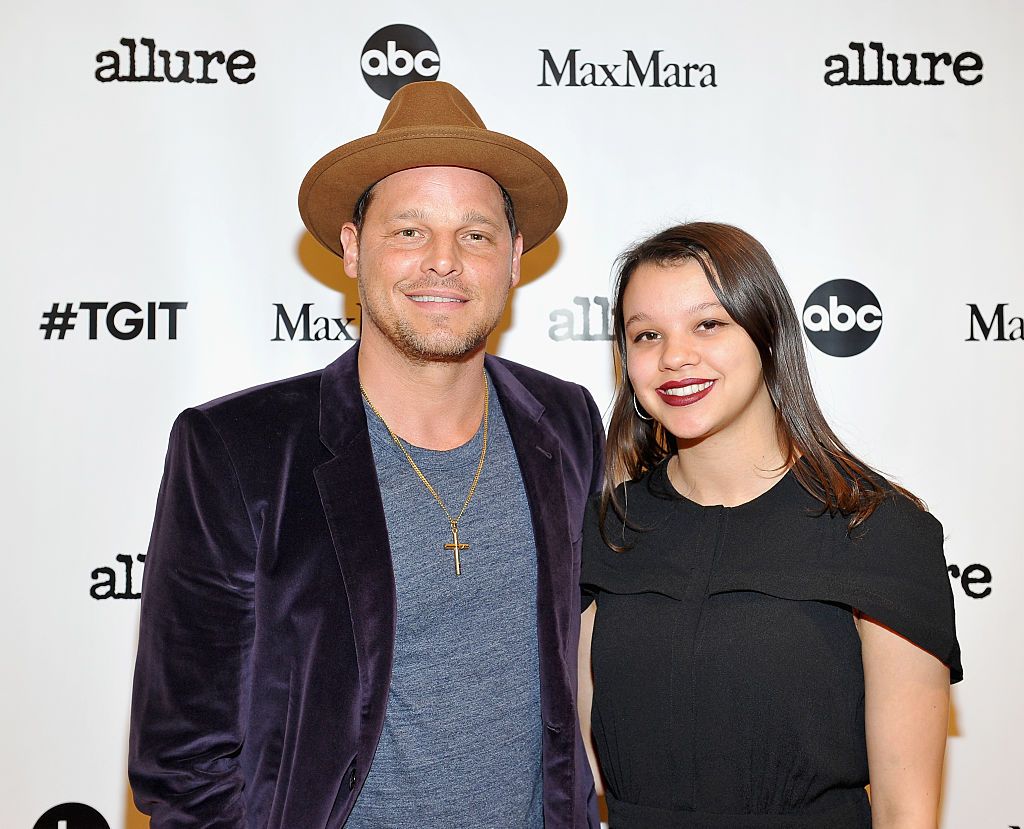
x=585 y=323
x=106 y=580
x=871 y=65
x=143 y=62
x=651 y=70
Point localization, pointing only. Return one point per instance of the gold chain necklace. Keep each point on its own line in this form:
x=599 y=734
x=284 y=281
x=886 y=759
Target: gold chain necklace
x=455 y=546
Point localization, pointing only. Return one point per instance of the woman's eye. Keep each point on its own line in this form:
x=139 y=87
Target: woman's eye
x=645 y=336
x=710 y=325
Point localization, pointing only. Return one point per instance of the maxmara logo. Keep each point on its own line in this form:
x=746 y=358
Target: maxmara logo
x=305 y=326
x=994 y=325
x=142 y=62
x=842 y=317
x=871 y=65
x=651 y=69
x=397 y=55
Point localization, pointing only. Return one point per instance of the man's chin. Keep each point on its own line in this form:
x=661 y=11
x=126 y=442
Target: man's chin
x=436 y=344
x=440 y=349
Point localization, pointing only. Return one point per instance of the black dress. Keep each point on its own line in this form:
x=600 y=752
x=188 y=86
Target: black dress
x=728 y=683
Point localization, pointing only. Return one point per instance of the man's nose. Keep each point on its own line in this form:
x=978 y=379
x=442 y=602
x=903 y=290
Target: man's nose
x=441 y=255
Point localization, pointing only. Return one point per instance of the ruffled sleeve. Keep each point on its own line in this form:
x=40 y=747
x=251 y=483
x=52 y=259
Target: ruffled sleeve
x=607 y=569
x=901 y=579
x=891 y=568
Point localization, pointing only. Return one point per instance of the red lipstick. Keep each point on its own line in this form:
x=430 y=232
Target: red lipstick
x=701 y=387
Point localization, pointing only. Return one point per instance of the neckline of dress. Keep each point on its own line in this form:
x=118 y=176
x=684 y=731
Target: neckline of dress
x=676 y=495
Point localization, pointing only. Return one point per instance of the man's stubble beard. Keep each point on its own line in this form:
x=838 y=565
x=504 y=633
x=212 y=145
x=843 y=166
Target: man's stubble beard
x=439 y=346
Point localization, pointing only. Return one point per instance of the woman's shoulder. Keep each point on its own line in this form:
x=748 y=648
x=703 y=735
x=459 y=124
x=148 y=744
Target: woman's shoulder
x=897 y=512
x=636 y=501
x=900 y=536
x=629 y=540
x=899 y=544
x=895 y=520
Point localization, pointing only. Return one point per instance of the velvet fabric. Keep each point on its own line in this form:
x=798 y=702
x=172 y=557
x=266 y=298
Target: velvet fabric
x=268 y=609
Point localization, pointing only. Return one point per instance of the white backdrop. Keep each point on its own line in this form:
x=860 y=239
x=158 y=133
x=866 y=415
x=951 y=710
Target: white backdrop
x=159 y=192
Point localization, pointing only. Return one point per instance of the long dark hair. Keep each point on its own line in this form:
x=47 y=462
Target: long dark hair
x=746 y=282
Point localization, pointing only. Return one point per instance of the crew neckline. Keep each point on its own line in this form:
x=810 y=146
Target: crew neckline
x=666 y=482
x=463 y=456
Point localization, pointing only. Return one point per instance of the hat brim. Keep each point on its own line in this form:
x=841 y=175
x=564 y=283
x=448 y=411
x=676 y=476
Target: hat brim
x=328 y=195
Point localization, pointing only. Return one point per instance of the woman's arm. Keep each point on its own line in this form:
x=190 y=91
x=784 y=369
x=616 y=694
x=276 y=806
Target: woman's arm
x=586 y=691
x=906 y=712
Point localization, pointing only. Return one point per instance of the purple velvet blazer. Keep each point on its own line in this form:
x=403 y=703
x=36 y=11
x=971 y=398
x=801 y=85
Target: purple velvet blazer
x=268 y=609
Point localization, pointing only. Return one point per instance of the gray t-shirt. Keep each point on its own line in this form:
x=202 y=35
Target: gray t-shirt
x=461 y=743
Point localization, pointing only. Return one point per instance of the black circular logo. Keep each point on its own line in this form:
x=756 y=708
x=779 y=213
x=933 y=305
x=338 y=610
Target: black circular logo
x=71 y=816
x=842 y=317
x=397 y=55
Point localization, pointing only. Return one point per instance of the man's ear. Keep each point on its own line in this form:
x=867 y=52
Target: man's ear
x=517 y=257
x=350 y=244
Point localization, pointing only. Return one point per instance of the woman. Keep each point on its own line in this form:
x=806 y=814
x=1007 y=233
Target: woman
x=771 y=625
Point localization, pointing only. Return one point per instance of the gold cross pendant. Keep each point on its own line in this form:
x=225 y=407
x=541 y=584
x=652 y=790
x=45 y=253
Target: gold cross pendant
x=456 y=548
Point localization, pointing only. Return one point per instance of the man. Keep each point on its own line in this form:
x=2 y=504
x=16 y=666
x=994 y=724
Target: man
x=360 y=602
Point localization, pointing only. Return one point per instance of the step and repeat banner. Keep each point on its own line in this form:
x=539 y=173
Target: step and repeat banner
x=153 y=258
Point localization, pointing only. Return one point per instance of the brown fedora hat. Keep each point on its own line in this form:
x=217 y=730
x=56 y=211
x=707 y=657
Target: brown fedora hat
x=431 y=124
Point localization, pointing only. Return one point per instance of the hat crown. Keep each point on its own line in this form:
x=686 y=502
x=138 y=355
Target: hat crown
x=429 y=103
x=431 y=124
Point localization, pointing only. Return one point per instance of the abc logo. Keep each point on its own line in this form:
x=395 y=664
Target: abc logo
x=71 y=816
x=397 y=55
x=842 y=318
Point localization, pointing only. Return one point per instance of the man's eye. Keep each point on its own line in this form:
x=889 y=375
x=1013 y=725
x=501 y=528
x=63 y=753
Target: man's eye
x=476 y=237
x=408 y=232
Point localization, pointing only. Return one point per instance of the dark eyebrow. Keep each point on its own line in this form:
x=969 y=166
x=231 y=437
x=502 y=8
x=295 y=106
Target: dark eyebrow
x=475 y=217
x=411 y=213
x=472 y=217
x=703 y=306
x=693 y=310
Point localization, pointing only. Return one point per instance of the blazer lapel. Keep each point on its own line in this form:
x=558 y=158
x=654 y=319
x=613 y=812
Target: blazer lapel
x=350 y=494
x=540 y=462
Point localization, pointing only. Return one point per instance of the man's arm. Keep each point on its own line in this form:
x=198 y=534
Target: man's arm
x=196 y=631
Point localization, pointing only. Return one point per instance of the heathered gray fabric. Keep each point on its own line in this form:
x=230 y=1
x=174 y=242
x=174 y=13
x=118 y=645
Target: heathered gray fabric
x=461 y=745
